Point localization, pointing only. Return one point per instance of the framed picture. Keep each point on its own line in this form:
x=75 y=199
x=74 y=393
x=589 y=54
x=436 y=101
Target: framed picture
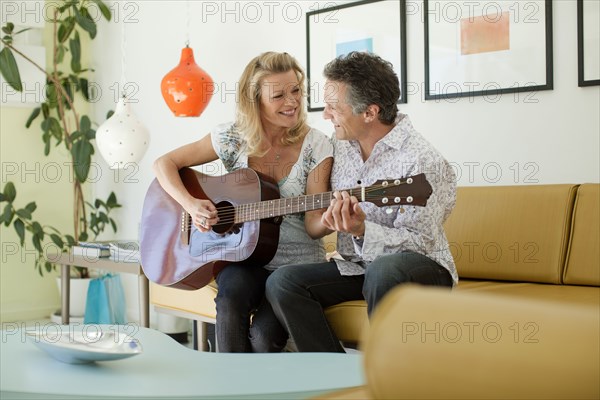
x=481 y=48
x=588 y=42
x=375 y=26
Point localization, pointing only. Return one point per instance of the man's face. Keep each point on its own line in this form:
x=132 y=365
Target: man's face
x=347 y=125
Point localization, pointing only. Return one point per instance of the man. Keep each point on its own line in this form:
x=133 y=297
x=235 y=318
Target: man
x=381 y=247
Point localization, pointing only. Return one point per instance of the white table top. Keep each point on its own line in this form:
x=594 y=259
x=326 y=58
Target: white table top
x=168 y=369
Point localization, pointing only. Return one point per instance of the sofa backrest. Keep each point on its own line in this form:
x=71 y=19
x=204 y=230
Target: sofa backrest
x=583 y=257
x=516 y=233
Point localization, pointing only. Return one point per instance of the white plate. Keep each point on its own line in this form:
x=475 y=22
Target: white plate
x=85 y=346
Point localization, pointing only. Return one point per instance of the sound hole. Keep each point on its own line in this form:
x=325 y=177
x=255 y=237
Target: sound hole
x=226 y=213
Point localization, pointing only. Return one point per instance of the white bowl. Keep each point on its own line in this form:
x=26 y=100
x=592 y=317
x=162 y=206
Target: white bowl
x=85 y=346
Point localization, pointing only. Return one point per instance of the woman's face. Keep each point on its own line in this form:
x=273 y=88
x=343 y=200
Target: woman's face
x=280 y=101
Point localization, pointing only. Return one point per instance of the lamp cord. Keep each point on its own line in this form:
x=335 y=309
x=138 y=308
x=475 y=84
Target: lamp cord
x=123 y=48
x=187 y=24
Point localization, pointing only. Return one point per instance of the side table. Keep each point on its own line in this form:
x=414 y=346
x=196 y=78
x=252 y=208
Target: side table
x=66 y=260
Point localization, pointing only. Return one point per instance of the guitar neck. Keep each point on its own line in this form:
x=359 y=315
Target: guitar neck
x=288 y=205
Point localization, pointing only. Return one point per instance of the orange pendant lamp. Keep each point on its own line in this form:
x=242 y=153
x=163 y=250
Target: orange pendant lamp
x=187 y=88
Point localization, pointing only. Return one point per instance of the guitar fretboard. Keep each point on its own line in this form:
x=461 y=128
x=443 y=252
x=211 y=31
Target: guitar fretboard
x=285 y=206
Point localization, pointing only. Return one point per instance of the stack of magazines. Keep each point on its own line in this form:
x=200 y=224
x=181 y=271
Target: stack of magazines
x=91 y=249
x=119 y=250
x=125 y=251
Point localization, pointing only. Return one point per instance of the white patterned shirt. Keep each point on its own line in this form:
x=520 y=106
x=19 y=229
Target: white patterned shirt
x=403 y=152
x=295 y=246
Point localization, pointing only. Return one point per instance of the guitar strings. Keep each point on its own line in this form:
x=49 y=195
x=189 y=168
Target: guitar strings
x=224 y=218
x=228 y=217
x=236 y=210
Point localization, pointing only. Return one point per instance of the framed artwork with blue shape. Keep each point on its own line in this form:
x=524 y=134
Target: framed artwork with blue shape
x=374 y=26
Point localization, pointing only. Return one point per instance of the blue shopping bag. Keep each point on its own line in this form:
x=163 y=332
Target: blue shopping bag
x=105 y=302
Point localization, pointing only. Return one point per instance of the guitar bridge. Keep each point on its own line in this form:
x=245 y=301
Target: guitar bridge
x=186 y=223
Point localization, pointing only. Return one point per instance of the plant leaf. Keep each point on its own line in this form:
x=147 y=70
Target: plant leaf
x=85 y=124
x=10 y=70
x=33 y=116
x=70 y=240
x=103 y=9
x=47 y=144
x=8 y=214
x=23 y=213
x=31 y=207
x=82 y=151
x=83 y=19
x=37 y=229
x=91 y=134
x=65 y=29
x=112 y=201
x=75 y=46
x=75 y=135
x=51 y=98
x=52 y=126
x=8 y=28
x=68 y=88
x=45 y=110
x=60 y=54
x=85 y=91
x=55 y=129
x=20 y=228
x=35 y=239
x=57 y=240
x=9 y=192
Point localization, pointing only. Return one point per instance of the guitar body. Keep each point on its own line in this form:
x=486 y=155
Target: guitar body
x=174 y=253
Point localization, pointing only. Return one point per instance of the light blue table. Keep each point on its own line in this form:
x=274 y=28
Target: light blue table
x=166 y=369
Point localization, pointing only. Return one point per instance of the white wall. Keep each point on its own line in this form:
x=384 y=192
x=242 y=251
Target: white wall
x=554 y=139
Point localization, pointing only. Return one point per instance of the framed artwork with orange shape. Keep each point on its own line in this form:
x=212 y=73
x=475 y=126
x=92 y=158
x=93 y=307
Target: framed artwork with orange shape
x=487 y=48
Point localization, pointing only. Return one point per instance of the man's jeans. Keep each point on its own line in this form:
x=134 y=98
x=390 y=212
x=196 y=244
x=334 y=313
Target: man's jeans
x=299 y=293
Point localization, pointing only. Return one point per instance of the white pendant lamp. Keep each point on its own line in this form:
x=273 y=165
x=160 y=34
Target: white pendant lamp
x=122 y=139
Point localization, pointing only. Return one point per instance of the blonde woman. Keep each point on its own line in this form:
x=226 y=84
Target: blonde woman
x=271 y=136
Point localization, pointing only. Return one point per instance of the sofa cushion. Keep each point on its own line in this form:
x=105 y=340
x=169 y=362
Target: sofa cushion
x=515 y=233
x=583 y=257
x=348 y=320
x=200 y=303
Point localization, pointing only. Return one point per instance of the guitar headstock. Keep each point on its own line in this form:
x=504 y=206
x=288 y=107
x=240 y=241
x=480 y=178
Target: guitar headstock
x=413 y=191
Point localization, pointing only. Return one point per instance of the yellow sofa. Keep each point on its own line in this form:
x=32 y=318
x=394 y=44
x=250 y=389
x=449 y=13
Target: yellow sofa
x=538 y=242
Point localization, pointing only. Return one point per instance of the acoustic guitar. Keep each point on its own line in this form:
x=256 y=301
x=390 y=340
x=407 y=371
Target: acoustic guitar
x=174 y=253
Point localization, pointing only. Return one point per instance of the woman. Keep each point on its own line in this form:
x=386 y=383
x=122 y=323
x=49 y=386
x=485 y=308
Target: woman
x=269 y=135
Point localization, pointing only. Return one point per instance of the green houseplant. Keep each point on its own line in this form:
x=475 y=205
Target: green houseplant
x=61 y=124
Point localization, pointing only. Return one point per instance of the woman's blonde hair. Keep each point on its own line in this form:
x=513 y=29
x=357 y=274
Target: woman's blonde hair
x=248 y=121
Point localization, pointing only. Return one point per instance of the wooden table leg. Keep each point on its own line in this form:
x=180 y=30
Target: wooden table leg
x=65 y=280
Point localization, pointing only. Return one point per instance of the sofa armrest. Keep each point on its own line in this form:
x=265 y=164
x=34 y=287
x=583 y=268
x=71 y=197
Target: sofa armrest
x=432 y=343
